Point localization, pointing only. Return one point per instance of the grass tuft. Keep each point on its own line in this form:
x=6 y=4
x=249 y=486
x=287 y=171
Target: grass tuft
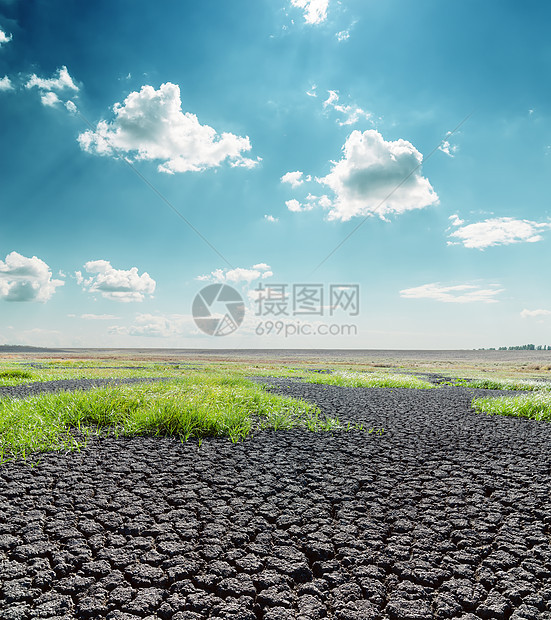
x=536 y=406
x=196 y=406
x=369 y=380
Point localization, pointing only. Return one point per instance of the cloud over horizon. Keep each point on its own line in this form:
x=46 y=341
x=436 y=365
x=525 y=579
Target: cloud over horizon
x=116 y=284
x=238 y=274
x=496 y=231
x=150 y=126
x=26 y=279
x=458 y=294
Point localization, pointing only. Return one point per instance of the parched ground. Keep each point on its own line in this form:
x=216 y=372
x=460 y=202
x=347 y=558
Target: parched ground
x=445 y=515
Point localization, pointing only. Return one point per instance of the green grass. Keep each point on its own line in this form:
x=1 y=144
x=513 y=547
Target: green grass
x=536 y=406
x=502 y=384
x=13 y=376
x=369 y=380
x=196 y=406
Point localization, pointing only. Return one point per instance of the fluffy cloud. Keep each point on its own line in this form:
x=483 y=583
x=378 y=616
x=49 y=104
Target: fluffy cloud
x=271 y=218
x=50 y=89
x=59 y=82
x=5 y=83
x=376 y=177
x=293 y=178
x=498 y=231
x=150 y=125
x=449 y=149
x=315 y=11
x=116 y=284
x=311 y=202
x=26 y=279
x=154 y=326
x=4 y=38
x=239 y=274
x=530 y=314
x=343 y=35
x=352 y=114
x=99 y=317
x=458 y=294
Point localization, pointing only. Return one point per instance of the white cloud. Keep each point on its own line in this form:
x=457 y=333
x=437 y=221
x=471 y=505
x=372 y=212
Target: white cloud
x=343 y=35
x=376 y=177
x=315 y=11
x=449 y=149
x=458 y=294
x=296 y=206
x=456 y=220
x=50 y=89
x=294 y=178
x=150 y=125
x=239 y=274
x=154 y=326
x=528 y=314
x=5 y=83
x=4 y=38
x=50 y=99
x=312 y=91
x=59 y=82
x=116 y=284
x=71 y=107
x=498 y=231
x=26 y=279
x=271 y=218
x=99 y=317
x=352 y=113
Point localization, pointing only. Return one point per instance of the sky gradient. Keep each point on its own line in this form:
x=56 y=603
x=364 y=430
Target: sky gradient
x=150 y=150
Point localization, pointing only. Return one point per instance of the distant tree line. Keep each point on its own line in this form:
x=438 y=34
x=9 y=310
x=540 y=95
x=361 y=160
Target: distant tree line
x=520 y=347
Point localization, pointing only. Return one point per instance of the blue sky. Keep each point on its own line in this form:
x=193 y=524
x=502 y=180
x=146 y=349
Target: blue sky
x=274 y=128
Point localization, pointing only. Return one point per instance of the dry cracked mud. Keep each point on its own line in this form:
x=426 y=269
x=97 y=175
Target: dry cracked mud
x=445 y=515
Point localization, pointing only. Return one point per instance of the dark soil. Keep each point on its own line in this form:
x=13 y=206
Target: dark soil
x=445 y=515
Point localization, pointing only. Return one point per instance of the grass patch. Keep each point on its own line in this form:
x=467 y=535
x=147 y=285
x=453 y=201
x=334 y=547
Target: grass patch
x=197 y=406
x=15 y=373
x=369 y=379
x=502 y=384
x=536 y=406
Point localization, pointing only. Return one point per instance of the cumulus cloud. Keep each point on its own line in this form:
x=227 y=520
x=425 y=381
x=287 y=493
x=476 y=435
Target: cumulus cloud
x=26 y=279
x=4 y=38
x=449 y=149
x=351 y=113
x=376 y=177
x=315 y=11
x=294 y=179
x=530 y=314
x=498 y=231
x=116 y=284
x=239 y=274
x=51 y=89
x=311 y=202
x=150 y=125
x=99 y=317
x=343 y=35
x=5 y=83
x=456 y=220
x=154 y=326
x=458 y=294
x=271 y=218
